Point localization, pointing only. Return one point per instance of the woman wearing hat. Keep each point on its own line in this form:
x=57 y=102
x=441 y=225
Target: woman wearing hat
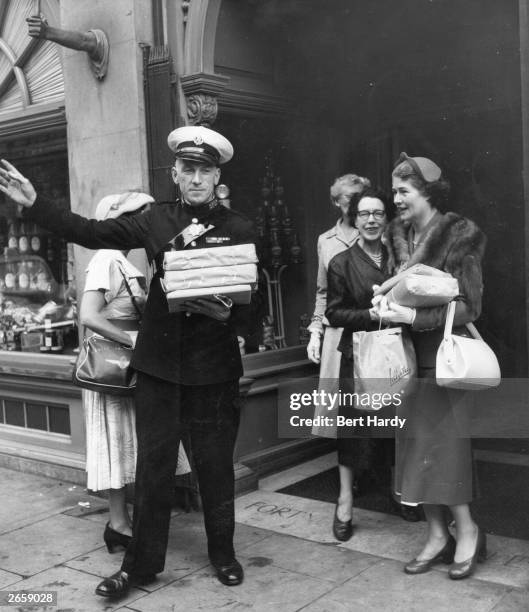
x=108 y=309
x=434 y=460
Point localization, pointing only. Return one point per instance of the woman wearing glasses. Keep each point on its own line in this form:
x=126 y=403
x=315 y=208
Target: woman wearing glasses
x=351 y=277
x=339 y=238
x=434 y=460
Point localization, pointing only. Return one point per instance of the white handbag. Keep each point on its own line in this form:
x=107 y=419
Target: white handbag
x=465 y=363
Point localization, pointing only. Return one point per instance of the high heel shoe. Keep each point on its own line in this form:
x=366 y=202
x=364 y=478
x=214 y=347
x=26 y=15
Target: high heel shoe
x=466 y=568
x=342 y=530
x=445 y=555
x=114 y=539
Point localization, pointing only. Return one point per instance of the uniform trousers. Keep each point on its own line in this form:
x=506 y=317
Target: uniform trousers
x=164 y=413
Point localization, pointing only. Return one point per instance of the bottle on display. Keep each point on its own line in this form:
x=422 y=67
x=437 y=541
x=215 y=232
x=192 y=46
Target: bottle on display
x=3 y=340
x=10 y=275
x=43 y=279
x=23 y=276
x=35 y=240
x=32 y=275
x=47 y=337
x=23 y=239
x=57 y=341
x=12 y=235
x=11 y=342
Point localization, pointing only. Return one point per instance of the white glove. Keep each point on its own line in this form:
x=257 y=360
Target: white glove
x=398 y=314
x=314 y=347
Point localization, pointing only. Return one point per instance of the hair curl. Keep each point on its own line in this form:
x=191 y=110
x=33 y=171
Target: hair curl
x=347 y=180
x=436 y=192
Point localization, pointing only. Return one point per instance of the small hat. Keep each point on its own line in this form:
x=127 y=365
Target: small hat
x=200 y=144
x=112 y=206
x=428 y=170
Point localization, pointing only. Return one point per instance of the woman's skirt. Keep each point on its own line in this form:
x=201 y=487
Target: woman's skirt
x=111 y=448
x=329 y=379
x=433 y=450
x=365 y=448
x=110 y=440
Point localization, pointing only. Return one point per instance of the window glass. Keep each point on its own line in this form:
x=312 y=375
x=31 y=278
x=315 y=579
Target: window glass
x=37 y=283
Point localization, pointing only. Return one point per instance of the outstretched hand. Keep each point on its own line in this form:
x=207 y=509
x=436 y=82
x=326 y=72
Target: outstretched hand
x=16 y=186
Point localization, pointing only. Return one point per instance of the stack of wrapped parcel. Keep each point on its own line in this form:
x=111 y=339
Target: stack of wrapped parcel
x=195 y=273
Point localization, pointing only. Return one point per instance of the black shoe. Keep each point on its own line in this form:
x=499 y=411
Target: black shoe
x=114 y=539
x=230 y=574
x=445 y=555
x=342 y=530
x=466 y=568
x=412 y=514
x=118 y=584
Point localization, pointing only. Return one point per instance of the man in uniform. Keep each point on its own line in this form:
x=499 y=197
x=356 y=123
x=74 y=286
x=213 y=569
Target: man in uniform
x=188 y=362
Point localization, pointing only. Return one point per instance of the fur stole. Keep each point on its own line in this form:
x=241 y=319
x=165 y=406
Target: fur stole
x=454 y=244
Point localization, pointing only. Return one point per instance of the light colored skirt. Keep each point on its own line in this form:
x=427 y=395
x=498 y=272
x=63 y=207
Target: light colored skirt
x=329 y=379
x=111 y=447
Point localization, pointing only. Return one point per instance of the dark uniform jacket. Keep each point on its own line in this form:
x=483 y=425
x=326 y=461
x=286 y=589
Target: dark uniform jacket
x=191 y=350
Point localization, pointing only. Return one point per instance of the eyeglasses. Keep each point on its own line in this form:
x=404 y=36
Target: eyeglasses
x=365 y=214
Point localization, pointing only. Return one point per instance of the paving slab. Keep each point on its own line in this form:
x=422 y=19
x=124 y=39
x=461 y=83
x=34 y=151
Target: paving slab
x=375 y=533
x=75 y=592
x=385 y=587
x=7 y=578
x=514 y=601
x=304 y=518
x=37 y=547
x=265 y=589
x=326 y=562
x=27 y=498
x=186 y=551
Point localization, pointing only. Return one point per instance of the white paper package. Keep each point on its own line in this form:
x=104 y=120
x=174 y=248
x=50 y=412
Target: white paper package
x=218 y=276
x=240 y=294
x=188 y=259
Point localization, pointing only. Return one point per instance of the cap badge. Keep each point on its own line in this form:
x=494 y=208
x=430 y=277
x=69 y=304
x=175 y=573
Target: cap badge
x=198 y=140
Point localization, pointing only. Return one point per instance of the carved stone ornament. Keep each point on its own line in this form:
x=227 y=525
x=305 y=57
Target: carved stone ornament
x=201 y=109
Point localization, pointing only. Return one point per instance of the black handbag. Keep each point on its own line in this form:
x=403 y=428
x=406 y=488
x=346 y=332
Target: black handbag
x=103 y=365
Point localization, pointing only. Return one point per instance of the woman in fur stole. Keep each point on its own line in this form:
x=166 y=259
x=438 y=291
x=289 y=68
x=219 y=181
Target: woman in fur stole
x=434 y=456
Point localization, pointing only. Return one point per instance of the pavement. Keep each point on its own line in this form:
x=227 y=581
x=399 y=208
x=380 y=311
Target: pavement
x=51 y=540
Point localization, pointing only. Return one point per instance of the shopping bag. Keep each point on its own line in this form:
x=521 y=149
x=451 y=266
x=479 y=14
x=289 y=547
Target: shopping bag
x=384 y=363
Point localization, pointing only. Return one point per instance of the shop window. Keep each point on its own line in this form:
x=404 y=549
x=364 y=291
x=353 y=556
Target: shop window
x=54 y=418
x=37 y=284
x=59 y=419
x=14 y=411
x=36 y=416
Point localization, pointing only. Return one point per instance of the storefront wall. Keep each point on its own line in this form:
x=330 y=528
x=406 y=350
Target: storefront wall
x=103 y=150
x=323 y=97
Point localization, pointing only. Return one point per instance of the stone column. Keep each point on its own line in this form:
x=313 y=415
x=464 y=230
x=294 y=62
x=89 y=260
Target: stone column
x=107 y=150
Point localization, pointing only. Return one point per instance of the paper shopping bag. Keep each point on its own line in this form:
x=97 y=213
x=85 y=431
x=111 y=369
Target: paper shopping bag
x=384 y=363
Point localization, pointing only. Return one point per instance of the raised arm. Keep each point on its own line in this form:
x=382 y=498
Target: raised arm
x=122 y=233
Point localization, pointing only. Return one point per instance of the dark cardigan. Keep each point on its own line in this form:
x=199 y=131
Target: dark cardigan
x=350 y=277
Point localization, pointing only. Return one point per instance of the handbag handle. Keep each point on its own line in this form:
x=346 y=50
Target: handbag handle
x=127 y=286
x=450 y=314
